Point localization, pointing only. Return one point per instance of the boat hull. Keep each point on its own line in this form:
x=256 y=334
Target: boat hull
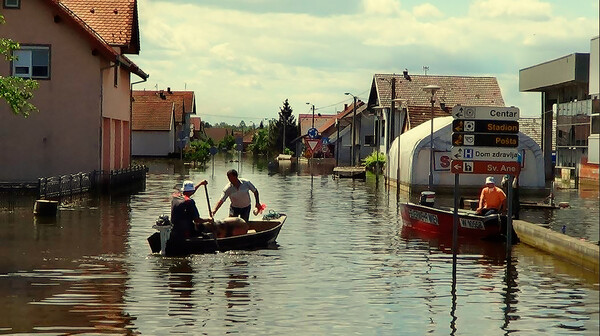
x=265 y=235
x=440 y=221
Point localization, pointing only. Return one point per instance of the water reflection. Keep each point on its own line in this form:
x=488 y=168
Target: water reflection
x=344 y=256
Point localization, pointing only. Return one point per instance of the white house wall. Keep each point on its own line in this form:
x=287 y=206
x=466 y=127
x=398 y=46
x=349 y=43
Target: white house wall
x=152 y=143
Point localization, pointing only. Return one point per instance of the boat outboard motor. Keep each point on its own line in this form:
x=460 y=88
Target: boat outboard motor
x=427 y=198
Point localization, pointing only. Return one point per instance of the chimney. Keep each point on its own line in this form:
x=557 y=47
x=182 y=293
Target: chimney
x=162 y=94
x=345 y=107
x=169 y=90
x=406 y=75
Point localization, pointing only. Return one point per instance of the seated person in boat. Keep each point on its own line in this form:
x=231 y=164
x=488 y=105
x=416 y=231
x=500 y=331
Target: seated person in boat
x=238 y=192
x=228 y=227
x=184 y=213
x=492 y=199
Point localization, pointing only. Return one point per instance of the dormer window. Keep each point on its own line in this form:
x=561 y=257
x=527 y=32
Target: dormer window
x=12 y=4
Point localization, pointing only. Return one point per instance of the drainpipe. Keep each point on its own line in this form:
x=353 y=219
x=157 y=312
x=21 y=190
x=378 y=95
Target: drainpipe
x=115 y=64
x=131 y=114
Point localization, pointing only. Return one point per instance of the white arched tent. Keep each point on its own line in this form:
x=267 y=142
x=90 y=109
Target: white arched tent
x=415 y=152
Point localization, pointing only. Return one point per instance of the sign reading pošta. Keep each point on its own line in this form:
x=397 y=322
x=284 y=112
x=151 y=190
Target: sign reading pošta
x=485 y=140
x=485 y=112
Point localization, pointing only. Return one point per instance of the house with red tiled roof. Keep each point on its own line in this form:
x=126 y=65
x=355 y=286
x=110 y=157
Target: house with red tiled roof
x=75 y=50
x=337 y=131
x=217 y=134
x=185 y=108
x=153 y=128
x=398 y=102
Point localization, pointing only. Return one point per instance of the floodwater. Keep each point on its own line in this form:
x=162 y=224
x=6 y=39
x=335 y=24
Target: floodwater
x=343 y=265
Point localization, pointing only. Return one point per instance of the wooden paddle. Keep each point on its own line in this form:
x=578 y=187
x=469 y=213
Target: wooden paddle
x=214 y=226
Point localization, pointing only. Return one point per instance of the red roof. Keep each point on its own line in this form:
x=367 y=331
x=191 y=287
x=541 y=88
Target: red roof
x=420 y=114
x=100 y=43
x=177 y=97
x=217 y=134
x=115 y=20
x=152 y=115
x=465 y=90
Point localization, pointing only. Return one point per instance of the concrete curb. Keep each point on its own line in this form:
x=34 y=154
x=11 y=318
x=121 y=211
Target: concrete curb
x=577 y=251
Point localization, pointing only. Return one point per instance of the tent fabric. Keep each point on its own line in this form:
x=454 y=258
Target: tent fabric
x=415 y=152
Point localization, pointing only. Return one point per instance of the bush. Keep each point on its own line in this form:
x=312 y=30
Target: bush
x=371 y=162
x=198 y=151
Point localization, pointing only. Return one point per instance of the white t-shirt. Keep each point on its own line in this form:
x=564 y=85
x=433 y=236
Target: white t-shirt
x=239 y=197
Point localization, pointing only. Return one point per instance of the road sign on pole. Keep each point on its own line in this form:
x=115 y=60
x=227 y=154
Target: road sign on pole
x=484 y=167
x=485 y=112
x=483 y=139
x=485 y=126
x=484 y=154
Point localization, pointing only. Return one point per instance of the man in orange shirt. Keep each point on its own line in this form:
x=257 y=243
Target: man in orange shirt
x=492 y=199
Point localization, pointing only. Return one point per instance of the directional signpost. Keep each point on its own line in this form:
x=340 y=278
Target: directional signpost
x=482 y=137
x=494 y=113
x=485 y=141
x=485 y=167
x=484 y=153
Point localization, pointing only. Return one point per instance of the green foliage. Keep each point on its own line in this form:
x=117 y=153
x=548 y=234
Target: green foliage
x=371 y=162
x=15 y=91
x=286 y=120
x=260 y=142
x=198 y=151
x=227 y=144
x=288 y=151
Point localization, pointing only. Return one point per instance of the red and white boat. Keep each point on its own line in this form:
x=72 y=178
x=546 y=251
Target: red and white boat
x=427 y=218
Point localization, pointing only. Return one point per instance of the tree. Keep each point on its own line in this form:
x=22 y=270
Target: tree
x=15 y=91
x=286 y=124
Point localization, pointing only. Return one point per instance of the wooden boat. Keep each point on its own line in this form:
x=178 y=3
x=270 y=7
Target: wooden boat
x=434 y=220
x=261 y=233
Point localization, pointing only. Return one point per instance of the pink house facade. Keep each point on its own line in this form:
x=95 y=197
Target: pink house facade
x=84 y=118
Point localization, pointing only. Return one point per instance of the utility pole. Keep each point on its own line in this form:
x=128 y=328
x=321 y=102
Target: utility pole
x=353 y=128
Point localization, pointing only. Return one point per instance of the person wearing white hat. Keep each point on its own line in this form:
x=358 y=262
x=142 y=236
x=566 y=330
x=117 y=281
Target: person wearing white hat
x=492 y=199
x=184 y=213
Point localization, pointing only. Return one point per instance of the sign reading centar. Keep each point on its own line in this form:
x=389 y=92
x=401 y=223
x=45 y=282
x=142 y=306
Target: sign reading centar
x=485 y=112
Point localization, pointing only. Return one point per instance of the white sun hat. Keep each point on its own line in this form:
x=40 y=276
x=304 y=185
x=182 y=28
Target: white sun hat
x=490 y=179
x=188 y=186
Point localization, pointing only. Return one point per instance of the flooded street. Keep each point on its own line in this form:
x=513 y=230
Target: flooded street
x=343 y=265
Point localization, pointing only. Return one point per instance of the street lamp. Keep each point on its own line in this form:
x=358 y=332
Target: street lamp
x=353 y=127
x=432 y=89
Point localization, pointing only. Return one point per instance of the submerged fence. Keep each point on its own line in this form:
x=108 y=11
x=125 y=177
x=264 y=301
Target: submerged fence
x=66 y=185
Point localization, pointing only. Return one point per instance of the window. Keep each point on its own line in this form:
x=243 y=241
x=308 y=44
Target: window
x=369 y=140
x=32 y=62
x=12 y=3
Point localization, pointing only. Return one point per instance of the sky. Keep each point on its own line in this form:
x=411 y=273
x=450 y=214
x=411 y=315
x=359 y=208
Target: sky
x=244 y=58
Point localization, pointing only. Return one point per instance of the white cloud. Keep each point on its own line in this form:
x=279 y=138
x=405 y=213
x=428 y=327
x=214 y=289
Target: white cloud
x=512 y=9
x=426 y=11
x=244 y=63
x=381 y=7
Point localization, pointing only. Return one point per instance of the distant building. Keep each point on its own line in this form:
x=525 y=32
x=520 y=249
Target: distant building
x=153 y=128
x=185 y=107
x=570 y=93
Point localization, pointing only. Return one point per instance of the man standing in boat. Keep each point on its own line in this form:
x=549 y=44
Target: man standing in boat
x=238 y=192
x=184 y=213
x=492 y=199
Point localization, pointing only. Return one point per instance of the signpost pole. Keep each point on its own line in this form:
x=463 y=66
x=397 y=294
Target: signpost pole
x=455 y=217
x=509 y=217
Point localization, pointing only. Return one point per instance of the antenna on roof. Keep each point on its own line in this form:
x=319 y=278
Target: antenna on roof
x=425 y=69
